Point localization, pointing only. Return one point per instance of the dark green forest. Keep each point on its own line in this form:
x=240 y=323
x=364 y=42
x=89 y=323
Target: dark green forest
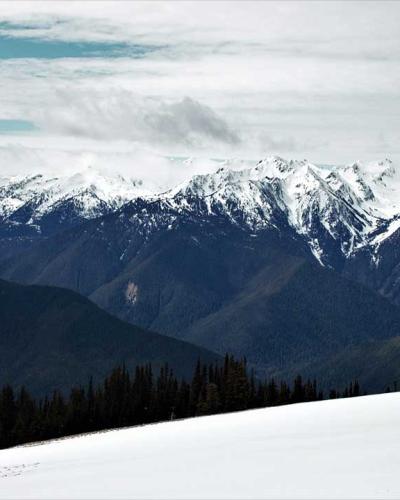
x=141 y=397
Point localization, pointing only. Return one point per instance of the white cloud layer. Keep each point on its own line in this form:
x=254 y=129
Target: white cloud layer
x=304 y=79
x=156 y=172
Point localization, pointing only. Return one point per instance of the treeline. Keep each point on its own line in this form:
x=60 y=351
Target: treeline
x=126 y=399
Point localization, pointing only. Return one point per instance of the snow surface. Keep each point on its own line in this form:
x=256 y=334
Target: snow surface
x=347 y=448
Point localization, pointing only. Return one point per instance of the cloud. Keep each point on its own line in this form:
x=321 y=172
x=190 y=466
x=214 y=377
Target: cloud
x=58 y=157
x=315 y=79
x=189 y=121
x=120 y=114
x=340 y=28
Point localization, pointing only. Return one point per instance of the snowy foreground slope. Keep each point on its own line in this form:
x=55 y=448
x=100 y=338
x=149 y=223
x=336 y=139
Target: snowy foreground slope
x=332 y=449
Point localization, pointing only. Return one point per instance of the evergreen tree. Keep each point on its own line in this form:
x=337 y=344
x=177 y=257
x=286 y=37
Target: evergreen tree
x=26 y=425
x=298 y=394
x=8 y=416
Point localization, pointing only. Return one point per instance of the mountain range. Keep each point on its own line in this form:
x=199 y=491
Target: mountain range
x=341 y=212
x=286 y=262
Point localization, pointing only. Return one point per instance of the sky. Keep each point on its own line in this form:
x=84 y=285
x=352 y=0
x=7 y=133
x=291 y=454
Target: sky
x=118 y=82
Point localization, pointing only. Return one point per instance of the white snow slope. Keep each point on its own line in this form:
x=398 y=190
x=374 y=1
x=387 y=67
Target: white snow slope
x=347 y=448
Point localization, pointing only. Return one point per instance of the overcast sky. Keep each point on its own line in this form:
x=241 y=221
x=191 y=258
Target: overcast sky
x=316 y=80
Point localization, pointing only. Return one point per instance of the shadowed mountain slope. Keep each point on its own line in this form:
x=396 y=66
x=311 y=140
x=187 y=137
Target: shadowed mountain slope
x=54 y=338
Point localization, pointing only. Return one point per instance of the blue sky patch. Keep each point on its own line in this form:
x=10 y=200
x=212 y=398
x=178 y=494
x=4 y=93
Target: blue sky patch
x=12 y=47
x=11 y=126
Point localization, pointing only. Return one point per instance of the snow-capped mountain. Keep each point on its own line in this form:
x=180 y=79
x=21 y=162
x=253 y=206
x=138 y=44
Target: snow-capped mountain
x=90 y=192
x=338 y=210
x=39 y=205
